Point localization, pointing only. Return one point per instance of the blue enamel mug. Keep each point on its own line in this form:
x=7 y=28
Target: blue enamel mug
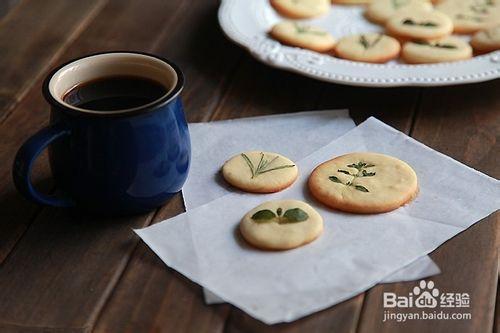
x=111 y=162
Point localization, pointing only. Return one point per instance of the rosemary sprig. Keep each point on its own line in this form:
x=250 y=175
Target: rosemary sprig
x=362 y=172
x=304 y=29
x=366 y=44
x=264 y=165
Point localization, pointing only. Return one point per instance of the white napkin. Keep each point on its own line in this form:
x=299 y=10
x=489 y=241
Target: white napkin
x=355 y=251
x=273 y=133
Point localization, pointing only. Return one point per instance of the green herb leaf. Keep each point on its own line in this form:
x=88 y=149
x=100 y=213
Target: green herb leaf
x=305 y=29
x=294 y=215
x=335 y=179
x=279 y=211
x=249 y=163
x=364 y=173
x=361 y=188
x=263 y=215
x=264 y=165
x=344 y=171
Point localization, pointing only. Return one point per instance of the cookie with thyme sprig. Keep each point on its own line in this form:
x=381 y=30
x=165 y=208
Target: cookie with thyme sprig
x=441 y=50
x=363 y=183
x=260 y=172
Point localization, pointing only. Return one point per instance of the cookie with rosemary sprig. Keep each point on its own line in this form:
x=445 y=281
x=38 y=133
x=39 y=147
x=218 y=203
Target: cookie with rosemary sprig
x=441 y=50
x=301 y=9
x=486 y=40
x=379 y=11
x=363 y=183
x=303 y=35
x=281 y=225
x=369 y=47
x=419 y=24
x=470 y=16
x=260 y=172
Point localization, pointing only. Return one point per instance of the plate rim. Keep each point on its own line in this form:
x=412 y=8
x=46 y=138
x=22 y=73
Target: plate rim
x=285 y=57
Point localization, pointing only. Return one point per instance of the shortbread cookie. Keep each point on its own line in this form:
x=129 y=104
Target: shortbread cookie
x=300 y=9
x=419 y=24
x=442 y=50
x=281 y=225
x=370 y=47
x=470 y=16
x=352 y=2
x=364 y=183
x=260 y=172
x=380 y=11
x=302 y=35
x=486 y=40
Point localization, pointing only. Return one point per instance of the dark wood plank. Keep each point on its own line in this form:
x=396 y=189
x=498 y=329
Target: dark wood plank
x=6 y=6
x=32 y=35
x=463 y=123
x=150 y=297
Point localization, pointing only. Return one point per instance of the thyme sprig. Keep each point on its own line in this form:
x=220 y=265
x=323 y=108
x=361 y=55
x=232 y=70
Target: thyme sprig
x=362 y=172
x=437 y=45
x=264 y=165
x=426 y=24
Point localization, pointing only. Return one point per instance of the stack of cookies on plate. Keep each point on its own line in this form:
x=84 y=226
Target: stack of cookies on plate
x=418 y=31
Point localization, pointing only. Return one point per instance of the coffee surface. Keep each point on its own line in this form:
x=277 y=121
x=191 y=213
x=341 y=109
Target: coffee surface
x=114 y=93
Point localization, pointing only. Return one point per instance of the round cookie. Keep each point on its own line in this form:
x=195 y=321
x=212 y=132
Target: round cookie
x=419 y=24
x=364 y=183
x=260 y=172
x=281 y=225
x=380 y=11
x=486 y=40
x=302 y=35
x=370 y=47
x=470 y=16
x=445 y=49
x=299 y=9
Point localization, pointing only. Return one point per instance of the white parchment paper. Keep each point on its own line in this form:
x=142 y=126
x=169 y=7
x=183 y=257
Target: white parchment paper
x=355 y=251
x=215 y=142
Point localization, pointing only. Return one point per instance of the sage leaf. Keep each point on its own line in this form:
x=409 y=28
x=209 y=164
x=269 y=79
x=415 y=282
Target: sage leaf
x=294 y=215
x=263 y=215
x=361 y=188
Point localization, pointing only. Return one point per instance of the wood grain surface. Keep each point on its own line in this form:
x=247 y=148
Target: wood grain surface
x=62 y=272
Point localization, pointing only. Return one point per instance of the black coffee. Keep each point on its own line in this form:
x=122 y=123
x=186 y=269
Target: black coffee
x=114 y=93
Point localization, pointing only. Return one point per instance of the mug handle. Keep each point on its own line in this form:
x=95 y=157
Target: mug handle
x=26 y=156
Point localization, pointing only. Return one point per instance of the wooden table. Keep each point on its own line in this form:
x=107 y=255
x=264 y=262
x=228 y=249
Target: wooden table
x=68 y=273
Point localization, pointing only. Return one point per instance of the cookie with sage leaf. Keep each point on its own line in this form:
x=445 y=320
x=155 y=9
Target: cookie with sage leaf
x=369 y=47
x=419 y=24
x=363 y=183
x=301 y=9
x=260 y=172
x=379 y=11
x=281 y=225
x=303 y=35
x=441 y=50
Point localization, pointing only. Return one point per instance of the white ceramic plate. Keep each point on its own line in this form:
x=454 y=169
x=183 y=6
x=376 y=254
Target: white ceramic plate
x=247 y=22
